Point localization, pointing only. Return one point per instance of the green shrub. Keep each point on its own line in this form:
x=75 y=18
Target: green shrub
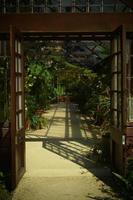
x=4 y=194
x=37 y=122
x=130 y=174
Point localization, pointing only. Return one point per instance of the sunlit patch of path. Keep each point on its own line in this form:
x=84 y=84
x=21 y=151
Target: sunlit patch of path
x=57 y=165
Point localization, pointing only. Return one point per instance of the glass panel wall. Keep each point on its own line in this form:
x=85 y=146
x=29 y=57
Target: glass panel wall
x=96 y=6
x=61 y=6
x=81 y=6
x=19 y=85
x=130 y=80
x=39 y=6
x=67 y=6
x=52 y=6
x=25 y=6
x=116 y=82
x=11 y=6
x=109 y=6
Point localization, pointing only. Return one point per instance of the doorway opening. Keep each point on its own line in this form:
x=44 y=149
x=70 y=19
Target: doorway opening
x=72 y=64
x=63 y=63
x=73 y=50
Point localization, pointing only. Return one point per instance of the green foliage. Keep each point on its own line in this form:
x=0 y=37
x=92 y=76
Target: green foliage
x=60 y=90
x=90 y=90
x=130 y=174
x=38 y=92
x=50 y=74
x=103 y=110
x=4 y=194
x=30 y=105
x=37 y=122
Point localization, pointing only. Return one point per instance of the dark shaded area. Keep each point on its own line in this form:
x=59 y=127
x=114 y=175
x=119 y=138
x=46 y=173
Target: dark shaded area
x=5 y=155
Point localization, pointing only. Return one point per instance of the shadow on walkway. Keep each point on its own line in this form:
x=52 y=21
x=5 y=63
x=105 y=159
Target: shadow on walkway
x=75 y=144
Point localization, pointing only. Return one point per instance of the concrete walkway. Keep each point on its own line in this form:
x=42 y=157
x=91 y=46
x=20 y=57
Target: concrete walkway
x=57 y=167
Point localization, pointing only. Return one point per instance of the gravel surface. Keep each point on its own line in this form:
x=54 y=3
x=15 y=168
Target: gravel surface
x=57 y=167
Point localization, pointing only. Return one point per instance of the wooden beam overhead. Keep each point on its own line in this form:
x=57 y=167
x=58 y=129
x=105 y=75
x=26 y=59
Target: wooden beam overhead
x=66 y=22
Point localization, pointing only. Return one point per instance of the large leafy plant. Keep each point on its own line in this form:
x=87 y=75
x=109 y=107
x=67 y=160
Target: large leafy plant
x=38 y=90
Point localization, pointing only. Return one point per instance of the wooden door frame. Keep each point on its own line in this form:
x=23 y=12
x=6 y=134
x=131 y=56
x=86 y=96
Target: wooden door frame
x=119 y=130
x=121 y=34
x=12 y=108
x=14 y=140
x=14 y=180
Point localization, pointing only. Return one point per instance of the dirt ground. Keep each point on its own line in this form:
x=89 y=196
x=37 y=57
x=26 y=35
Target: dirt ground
x=57 y=167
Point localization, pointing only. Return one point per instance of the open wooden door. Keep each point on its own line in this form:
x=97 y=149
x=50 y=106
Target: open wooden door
x=118 y=99
x=119 y=76
x=17 y=108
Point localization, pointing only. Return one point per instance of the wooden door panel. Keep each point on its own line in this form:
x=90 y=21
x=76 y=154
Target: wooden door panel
x=118 y=98
x=118 y=78
x=17 y=106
